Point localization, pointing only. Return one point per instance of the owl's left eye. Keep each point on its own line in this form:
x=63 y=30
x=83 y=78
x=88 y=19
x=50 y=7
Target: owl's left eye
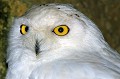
x=24 y=29
x=61 y=30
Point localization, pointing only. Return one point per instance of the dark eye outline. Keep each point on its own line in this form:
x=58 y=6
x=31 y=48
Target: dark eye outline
x=24 y=29
x=61 y=26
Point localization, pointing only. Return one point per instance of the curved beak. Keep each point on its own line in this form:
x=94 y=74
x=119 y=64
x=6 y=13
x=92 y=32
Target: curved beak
x=37 y=48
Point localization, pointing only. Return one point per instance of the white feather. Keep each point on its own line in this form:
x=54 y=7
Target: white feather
x=81 y=54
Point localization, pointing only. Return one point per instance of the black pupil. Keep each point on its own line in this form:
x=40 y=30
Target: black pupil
x=60 y=29
x=26 y=29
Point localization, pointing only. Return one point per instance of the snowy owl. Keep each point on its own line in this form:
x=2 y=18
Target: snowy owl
x=55 y=41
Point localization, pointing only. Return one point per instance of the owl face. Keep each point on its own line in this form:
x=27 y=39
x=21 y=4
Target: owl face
x=51 y=28
x=48 y=28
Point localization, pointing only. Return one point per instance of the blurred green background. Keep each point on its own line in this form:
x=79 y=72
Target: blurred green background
x=105 y=14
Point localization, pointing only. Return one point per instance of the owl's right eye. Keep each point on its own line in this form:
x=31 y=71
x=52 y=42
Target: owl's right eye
x=24 y=29
x=61 y=30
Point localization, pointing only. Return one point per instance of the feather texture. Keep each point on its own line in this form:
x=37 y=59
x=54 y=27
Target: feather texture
x=81 y=54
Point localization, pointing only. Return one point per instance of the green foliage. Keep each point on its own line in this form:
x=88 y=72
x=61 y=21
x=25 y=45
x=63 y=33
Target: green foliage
x=4 y=14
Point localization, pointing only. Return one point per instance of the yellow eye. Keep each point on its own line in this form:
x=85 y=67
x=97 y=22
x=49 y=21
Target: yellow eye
x=23 y=29
x=61 y=30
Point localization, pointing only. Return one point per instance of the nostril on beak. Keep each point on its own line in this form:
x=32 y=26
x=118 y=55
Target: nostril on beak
x=37 y=47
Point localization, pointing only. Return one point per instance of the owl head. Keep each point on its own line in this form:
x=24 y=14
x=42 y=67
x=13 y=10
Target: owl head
x=47 y=31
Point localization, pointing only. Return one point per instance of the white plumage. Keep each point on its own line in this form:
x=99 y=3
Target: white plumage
x=55 y=41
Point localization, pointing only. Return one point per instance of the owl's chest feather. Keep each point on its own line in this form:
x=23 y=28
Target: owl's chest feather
x=73 y=69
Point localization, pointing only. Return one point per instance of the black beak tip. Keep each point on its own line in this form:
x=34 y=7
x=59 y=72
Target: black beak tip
x=37 y=47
